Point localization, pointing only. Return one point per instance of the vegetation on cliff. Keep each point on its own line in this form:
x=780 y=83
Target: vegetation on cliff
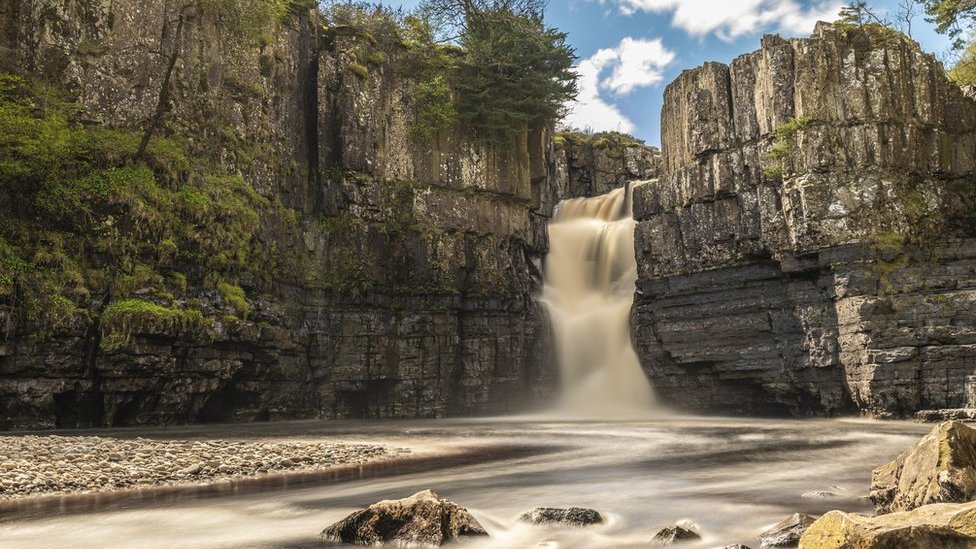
x=493 y=66
x=88 y=222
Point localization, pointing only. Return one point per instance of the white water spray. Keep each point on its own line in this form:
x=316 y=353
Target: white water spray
x=590 y=279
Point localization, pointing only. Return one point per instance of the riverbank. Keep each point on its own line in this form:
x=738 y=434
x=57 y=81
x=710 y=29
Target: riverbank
x=47 y=465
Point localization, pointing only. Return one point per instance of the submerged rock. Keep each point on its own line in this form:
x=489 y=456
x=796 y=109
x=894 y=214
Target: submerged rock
x=940 y=468
x=938 y=526
x=786 y=533
x=421 y=519
x=679 y=533
x=830 y=493
x=574 y=516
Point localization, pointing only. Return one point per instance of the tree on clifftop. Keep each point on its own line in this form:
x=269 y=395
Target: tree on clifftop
x=954 y=18
x=516 y=73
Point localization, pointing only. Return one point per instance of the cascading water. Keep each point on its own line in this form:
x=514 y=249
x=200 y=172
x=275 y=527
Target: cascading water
x=590 y=277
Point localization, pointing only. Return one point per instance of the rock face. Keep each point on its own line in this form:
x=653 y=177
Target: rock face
x=591 y=165
x=420 y=519
x=574 y=516
x=786 y=533
x=940 y=526
x=940 y=468
x=808 y=248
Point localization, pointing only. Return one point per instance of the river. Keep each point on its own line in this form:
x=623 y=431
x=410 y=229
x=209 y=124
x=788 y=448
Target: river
x=732 y=477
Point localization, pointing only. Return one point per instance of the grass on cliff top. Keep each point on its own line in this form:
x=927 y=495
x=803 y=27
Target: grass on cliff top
x=83 y=219
x=601 y=140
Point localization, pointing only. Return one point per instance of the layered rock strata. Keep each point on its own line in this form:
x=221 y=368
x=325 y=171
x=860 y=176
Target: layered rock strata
x=398 y=278
x=808 y=248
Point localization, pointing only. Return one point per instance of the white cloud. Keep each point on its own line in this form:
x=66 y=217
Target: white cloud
x=633 y=64
x=641 y=63
x=730 y=19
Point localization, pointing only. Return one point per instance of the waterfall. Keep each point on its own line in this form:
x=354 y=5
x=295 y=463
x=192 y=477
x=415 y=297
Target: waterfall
x=590 y=277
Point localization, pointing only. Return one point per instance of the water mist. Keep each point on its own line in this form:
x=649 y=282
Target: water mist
x=590 y=277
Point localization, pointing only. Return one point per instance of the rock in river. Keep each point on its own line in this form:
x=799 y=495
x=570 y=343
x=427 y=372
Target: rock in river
x=423 y=519
x=940 y=468
x=574 y=516
x=679 y=533
x=938 y=526
x=786 y=533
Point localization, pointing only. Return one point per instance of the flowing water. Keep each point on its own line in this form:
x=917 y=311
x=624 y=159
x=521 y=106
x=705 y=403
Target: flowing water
x=732 y=477
x=590 y=277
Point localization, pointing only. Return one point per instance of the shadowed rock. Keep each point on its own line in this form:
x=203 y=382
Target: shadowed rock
x=940 y=468
x=939 y=526
x=675 y=534
x=574 y=516
x=786 y=533
x=422 y=519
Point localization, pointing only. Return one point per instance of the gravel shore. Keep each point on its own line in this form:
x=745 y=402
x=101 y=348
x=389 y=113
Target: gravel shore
x=47 y=465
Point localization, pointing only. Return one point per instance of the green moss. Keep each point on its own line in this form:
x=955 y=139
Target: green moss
x=122 y=319
x=234 y=296
x=359 y=70
x=377 y=58
x=76 y=192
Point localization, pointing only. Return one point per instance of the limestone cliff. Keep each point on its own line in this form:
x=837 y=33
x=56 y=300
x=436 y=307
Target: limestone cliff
x=809 y=246
x=392 y=279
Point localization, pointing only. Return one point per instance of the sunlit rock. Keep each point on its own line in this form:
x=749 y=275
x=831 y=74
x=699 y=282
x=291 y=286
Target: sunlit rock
x=940 y=468
x=939 y=526
x=421 y=519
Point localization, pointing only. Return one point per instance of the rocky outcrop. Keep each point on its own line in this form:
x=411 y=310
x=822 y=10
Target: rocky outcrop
x=786 y=533
x=422 y=519
x=808 y=247
x=940 y=526
x=674 y=535
x=574 y=516
x=591 y=165
x=940 y=468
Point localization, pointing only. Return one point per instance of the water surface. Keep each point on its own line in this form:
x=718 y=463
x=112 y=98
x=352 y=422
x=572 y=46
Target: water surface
x=732 y=477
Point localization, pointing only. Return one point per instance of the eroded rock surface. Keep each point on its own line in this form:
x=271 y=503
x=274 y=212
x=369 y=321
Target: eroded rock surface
x=679 y=533
x=573 y=516
x=940 y=468
x=786 y=533
x=939 y=526
x=808 y=247
x=421 y=519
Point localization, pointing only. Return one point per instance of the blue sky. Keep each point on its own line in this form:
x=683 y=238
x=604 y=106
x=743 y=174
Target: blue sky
x=630 y=49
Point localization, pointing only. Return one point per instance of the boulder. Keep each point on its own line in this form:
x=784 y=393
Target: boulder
x=422 y=519
x=786 y=533
x=938 y=526
x=574 y=516
x=940 y=468
x=679 y=533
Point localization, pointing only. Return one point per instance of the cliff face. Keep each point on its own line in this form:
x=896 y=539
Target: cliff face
x=808 y=248
x=393 y=279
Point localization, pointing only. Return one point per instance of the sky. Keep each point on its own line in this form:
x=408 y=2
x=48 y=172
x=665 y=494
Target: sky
x=629 y=50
